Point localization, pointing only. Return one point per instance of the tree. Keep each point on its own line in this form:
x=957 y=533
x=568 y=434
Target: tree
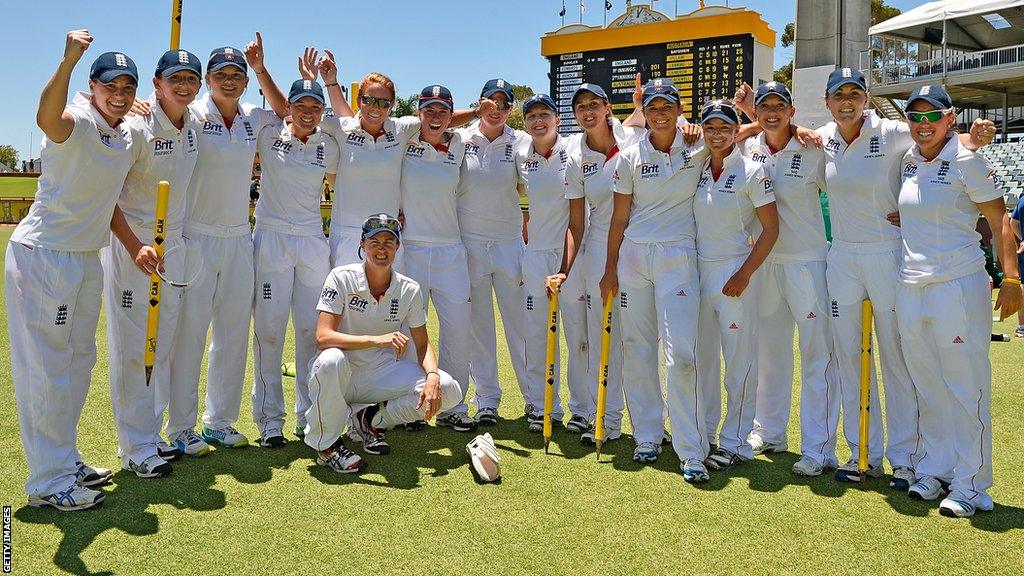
x=880 y=11
x=521 y=92
x=785 y=74
x=9 y=156
x=406 y=106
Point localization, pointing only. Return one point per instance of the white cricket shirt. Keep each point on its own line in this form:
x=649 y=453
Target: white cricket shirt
x=863 y=181
x=662 y=186
x=488 y=201
x=292 y=179
x=430 y=182
x=589 y=174
x=218 y=194
x=939 y=213
x=726 y=208
x=167 y=154
x=347 y=294
x=81 y=181
x=369 y=169
x=544 y=182
x=797 y=174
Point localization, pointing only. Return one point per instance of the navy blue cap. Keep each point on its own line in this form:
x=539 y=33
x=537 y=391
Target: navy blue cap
x=722 y=109
x=227 y=56
x=382 y=223
x=435 y=93
x=593 y=89
x=842 y=76
x=932 y=94
x=773 y=89
x=110 y=65
x=177 y=60
x=542 y=99
x=660 y=88
x=302 y=88
x=498 y=85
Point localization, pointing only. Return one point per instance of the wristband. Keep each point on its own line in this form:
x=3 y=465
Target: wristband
x=331 y=84
x=434 y=372
x=1011 y=281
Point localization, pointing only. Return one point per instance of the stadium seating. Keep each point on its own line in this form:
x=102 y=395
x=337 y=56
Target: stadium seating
x=1008 y=160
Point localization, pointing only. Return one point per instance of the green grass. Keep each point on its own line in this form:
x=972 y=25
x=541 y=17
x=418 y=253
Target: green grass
x=419 y=511
x=17 y=187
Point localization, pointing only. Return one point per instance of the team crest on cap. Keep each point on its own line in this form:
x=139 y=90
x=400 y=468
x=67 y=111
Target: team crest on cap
x=847 y=73
x=182 y=57
x=925 y=90
x=501 y=83
x=436 y=91
x=772 y=85
x=120 y=59
x=307 y=84
x=657 y=82
x=229 y=52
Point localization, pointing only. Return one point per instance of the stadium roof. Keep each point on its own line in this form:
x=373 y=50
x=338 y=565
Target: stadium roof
x=971 y=25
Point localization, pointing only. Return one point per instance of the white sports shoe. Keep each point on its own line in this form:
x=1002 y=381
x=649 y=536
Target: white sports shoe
x=74 y=497
x=168 y=452
x=341 y=459
x=806 y=466
x=589 y=438
x=191 y=444
x=762 y=446
x=902 y=478
x=957 y=508
x=928 y=488
x=849 y=472
x=152 y=467
x=577 y=424
x=646 y=452
x=694 y=471
x=89 y=477
x=226 y=436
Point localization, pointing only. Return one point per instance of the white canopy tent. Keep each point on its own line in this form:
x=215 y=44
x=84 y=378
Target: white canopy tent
x=959 y=24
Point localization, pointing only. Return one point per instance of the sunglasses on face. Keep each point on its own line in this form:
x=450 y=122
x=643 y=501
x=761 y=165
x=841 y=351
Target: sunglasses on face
x=371 y=101
x=929 y=116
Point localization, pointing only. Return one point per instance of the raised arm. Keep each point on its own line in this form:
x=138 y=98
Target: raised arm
x=254 y=56
x=329 y=71
x=51 y=117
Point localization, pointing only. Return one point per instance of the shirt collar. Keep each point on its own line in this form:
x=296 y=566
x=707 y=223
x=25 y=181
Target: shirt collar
x=677 y=142
x=363 y=285
x=84 y=100
x=506 y=133
x=288 y=135
x=792 y=146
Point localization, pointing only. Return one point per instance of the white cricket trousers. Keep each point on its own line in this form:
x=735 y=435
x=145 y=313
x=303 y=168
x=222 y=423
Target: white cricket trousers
x=53 y=307
x=495 y=267
x=335 y=385
x=659 y=297
x=795 y=293
x=221 y=295
x=728 y=328
x=572 y=312
x=344 y=246
x=856 y=272
x=442 y=272
x=290 y=272
x=138 y=406
x=946 y=330
x=590 y=266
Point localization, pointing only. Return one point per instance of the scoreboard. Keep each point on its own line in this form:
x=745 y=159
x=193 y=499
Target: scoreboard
x=702 y=69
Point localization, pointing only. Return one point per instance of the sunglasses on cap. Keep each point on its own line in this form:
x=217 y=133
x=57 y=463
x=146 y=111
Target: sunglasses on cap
x=371 y=101
x=929 y=116
x=381 y=223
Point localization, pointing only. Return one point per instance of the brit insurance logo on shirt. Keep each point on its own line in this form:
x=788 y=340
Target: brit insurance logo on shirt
x=589 y=169
x=281 y=147
x=759 y=157
x=162 y=147
x=649 y=171
x=328 y=296
x=909 y=170
x=472 y=149
x=415 y=151
x=106 y=138
x=357 y=303
x=212 y=128
x=832 y=145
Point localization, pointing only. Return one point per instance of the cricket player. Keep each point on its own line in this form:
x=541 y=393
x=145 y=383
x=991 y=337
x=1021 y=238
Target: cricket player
x=53 y=278
x=651 y=269
x=434 y=255
x=942 y=305
x=168 y=151
x=793 y=291
x=737 y=226
x=542 y=171
x=363 y=308
x=219 y=247
x=291 y=254
x=492 y=229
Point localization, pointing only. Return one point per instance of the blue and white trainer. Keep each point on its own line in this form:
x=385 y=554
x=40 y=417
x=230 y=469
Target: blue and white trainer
x=957 y=508
x=226 y=436
x=694 y=471
x=902 y=478
x=646 y=452
x=191 y=444
x=74 y=497
x=928 y=488
x=90 y=477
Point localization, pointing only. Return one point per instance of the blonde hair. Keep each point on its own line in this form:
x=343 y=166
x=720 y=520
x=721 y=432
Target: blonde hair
x=377 y=78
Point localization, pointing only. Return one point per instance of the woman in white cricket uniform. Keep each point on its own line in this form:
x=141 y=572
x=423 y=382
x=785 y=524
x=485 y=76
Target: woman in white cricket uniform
x=651 y=269
x=168 y=152
x=53 y=277
x=291 y=255
x=492 y=228
x=862 y=158
x=737 y=225
x=793 y=291
x=589 y=173
x=219 y=247
x=943 y=303
x=434 y=254
x=542 y=165
x=363 y=310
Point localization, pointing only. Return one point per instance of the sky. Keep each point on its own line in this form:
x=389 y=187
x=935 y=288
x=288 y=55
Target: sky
x=459 y=43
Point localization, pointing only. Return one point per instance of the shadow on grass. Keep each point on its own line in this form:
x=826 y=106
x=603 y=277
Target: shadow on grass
x=188 y=487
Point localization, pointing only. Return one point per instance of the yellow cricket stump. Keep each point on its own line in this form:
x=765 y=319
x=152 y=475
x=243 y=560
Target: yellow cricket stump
x=865 y=388
x=602 y=378
x=153 y=317
x=552 y=351
x=176 y=6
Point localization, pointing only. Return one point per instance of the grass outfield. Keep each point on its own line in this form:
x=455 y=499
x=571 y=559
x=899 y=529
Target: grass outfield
x=419 y=511
x=17 y=188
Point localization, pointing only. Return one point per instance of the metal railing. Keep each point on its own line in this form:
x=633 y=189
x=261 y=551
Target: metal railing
x=957 y=63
